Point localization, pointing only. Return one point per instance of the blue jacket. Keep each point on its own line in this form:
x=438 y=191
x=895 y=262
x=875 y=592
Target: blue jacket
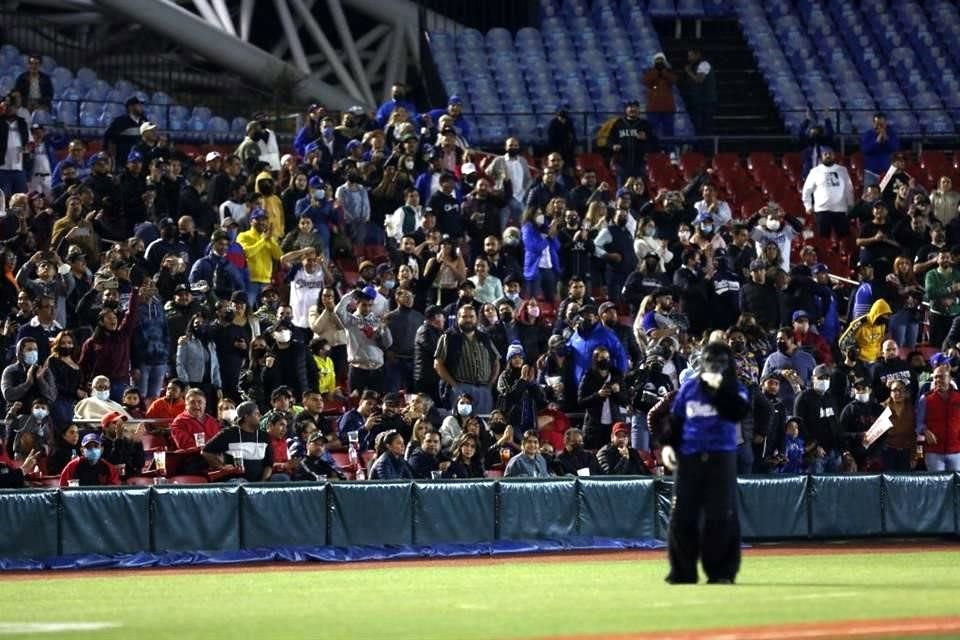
x=307 y=134
x=582 y=349
x=703 y=430
x=151 y=340
x=204 y=268
x=383 y=113
x=323 y=216
x=460 y=123
x=876 y=155
x=533 y=245
x=390 y=467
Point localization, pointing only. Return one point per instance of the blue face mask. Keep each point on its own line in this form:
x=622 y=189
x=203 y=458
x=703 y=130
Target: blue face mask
x=327 y=132
x=465 y=409
x=92 y=455
x=706 y=228
x=30 y=358
x=320 y=194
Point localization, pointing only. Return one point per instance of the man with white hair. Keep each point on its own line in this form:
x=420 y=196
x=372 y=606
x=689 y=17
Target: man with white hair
x=513 y=167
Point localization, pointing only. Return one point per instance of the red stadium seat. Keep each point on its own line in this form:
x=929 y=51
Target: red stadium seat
x=493 y=473
x=139 y=481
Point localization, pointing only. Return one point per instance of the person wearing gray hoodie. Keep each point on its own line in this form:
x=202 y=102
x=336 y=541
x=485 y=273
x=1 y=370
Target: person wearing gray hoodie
x=27 y=378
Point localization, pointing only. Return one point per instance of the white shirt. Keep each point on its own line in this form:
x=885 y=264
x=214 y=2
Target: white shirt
x=782 y=238
x=394 y=222
x=13 y=161
x=721 y=216
x=41 y=179
x=237 y=211
x=304 y=291
x=704 y=67
x=269 y=151
x=828 y=189
x=516 y=169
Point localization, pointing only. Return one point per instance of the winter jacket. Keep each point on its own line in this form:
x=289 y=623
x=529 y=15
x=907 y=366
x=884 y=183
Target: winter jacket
x=109 y=354
x=196 y=360
x=614 y=464
x=867 y=332
x=941 y=417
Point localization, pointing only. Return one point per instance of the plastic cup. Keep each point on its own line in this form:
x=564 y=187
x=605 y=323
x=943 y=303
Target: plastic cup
x=160 y=461
x=353 y=437
x=73 y=483
x=238 y=462
x=200 y=439
x=160 y=480
x=435 y=475
x=122 y=470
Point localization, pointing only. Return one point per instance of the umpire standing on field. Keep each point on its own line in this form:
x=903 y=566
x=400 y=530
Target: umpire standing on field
x=702 y=450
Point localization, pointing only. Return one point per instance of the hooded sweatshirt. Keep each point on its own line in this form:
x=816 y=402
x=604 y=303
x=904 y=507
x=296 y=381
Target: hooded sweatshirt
x=273 y=205
x=867 y=332
x=15 y=386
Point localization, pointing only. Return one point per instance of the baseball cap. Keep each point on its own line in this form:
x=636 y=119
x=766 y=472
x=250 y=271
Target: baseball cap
x=212 y=155
x=939 y=359
x=588 y=308
x=134 y=156
x=800 y=313
x=366 y=264
x=90 y=437
x=315 y=182
x=181 y=288
x=433 y=310
x=111 y=417
x=356 y=110
x=147 y=126
x=369 y=293
x=555 y=341
x=819 y=268
x=36 y=125
x=383 y=268
x=620 y=427
x=757 y=265
x=353 y=144
x=134 y=99
x=455 y=99
x=118 y=263
x=392 y=398
x=631 y=103
x=607 y=306
x=468 y=168
x=282 y=390
x=99 y=157
x=258 y=214
x=703 y=216
x=285 y=157
x=314 y=437
x=861 y=382
x=821 y=371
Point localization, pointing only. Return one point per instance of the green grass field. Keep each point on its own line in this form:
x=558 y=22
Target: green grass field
x=522 y=599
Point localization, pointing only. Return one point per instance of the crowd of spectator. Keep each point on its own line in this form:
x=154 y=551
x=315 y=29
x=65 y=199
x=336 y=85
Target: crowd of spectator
x=507 y=314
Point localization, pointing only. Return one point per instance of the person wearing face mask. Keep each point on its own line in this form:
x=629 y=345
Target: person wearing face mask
x=31 y=432
x=646 y=385
x=98 y=403
x=707 y=236
x=404 y=323
x=455 y=424
x=856 y=418
x=28 y=378
x=614 y=246
x=791 y=362
x=511 y=293
x=828 y=193
x=574 y=458
x=555 y=374
x=820 y=428
x=589 y=335
x=601 y=394
x=520 y=397
x=368 y=337
x=288 y=363
x=425 y=379
x=769 y=419
x=119 y=448
x=513 y=168
x=466 y=296
x=772 y=224
x=701 y=449
x=398 y=98
x=168 y=243
x=90 y=469
x=693 y=290
x=197 y=361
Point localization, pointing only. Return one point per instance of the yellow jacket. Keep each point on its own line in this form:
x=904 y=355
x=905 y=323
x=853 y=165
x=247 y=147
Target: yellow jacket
x=868 y=332
x=261 y=251
x=273 y=205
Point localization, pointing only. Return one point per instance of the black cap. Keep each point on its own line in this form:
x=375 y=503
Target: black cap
x=588 y=308
x=238 y=296
x=181 y=288
x=433 y=310
x=392 y=398
x=282 y=390
x=119 y=263
x=315 y=436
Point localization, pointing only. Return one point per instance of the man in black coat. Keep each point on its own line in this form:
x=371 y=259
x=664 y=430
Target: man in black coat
x=618 y=458
x=124 y=131
x=574 y=458
x=759 y=297
x=13 y=178
x=34 y=86
x=425 y=379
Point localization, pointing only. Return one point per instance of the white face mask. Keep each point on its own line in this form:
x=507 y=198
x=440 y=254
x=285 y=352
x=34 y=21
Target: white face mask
x=282 y=336
x=683 y=235
x=821 y=385
x=102 y=395
x=513 y=297
x=464 y=409
x=539 y=220
x=40 y=414
x=230 y=415
x=773 y=224
x=862 y=397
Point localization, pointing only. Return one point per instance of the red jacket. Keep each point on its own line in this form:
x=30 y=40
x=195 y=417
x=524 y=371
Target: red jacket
x=184 y=426
x=942 y=418
x=103 y=474
x=816 y=343
x=110 y=355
